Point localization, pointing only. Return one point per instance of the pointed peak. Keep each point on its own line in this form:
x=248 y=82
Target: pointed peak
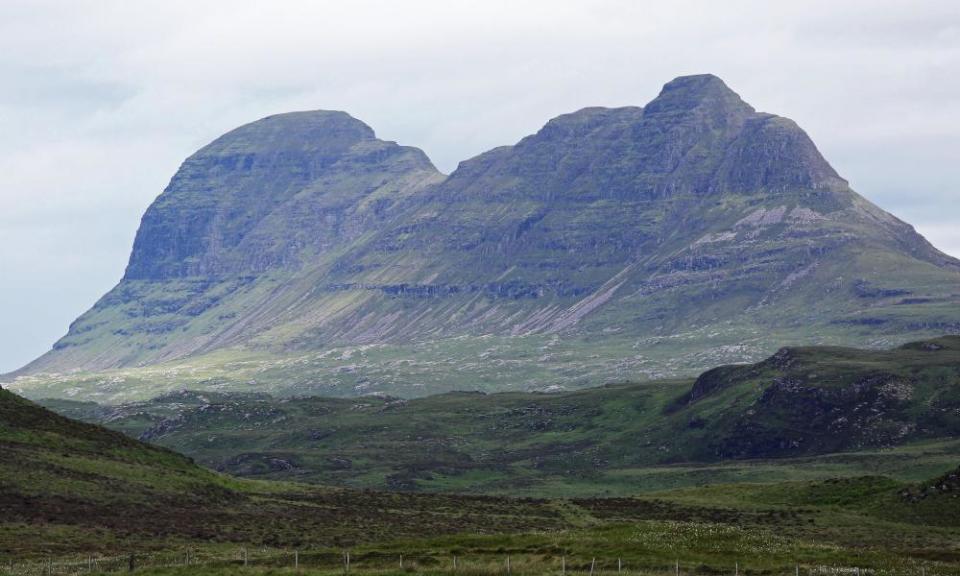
x=689 y=92
x=697 y=82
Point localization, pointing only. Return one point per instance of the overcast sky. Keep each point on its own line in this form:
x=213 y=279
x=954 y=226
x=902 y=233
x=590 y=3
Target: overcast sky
x=101 y=101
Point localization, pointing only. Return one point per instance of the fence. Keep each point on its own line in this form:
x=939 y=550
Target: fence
x=479 y=564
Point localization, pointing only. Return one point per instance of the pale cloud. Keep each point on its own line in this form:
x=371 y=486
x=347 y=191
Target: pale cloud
x=101 y=101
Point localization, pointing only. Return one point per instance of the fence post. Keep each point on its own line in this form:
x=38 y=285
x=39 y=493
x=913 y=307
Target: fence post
x=563 y=566
x=296 y=559
x=401 y=561
x=131 y=563
x=797 y=572
x=736 y=569
x=592 y=564
x=244 y=557
x=508 y=565
x=678 y=567
x=619 y=565
x=454 y=562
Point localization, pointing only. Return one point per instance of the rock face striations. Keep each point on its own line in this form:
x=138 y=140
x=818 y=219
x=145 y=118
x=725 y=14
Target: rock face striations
x=274 y=194
x=627 y=242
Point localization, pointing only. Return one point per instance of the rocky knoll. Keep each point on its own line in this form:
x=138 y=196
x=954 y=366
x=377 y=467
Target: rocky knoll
x=820 y=400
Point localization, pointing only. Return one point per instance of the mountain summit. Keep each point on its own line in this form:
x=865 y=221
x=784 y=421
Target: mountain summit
x=301 y=254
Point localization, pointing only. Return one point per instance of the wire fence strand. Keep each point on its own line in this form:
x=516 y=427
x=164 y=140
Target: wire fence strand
x=375 y=562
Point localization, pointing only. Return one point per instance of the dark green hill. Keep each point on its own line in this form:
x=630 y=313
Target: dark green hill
x=49 y=460
x=67 y=486
x=895 y=412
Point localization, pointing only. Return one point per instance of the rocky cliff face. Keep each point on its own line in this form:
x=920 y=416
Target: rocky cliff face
x=638 y=242
x=264 y=195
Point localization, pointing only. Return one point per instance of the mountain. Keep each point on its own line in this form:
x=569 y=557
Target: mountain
x=299 y=254
x=858 y=411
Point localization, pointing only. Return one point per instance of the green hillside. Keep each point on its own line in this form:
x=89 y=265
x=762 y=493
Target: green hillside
x=68 y=487
x=894 y=412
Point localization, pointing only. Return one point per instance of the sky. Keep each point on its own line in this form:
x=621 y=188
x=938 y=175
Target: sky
x=101 y=101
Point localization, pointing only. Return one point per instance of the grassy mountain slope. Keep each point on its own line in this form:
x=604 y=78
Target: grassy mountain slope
x=299 y=254
x=722 y=427
x=50 y=461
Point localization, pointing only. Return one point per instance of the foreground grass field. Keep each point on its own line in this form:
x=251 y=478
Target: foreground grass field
x=655 y=547
x=870 y=523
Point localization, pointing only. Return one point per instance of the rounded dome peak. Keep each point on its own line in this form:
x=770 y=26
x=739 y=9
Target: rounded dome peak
x=307 y=130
